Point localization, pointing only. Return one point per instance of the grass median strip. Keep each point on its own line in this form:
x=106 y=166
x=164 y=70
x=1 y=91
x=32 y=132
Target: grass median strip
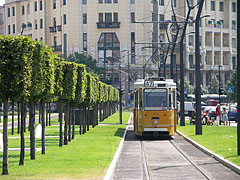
x=222 y=140
x=86 y=157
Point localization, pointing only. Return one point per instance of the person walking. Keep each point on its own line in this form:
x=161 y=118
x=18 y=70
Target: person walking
x=218 y=114
x=225 y=117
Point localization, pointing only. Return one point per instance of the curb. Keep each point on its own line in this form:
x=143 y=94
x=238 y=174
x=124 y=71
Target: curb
x=220 y=159
x=116 y=156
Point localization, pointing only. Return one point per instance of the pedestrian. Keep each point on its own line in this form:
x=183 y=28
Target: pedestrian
x=218 y=114
x=225 y=117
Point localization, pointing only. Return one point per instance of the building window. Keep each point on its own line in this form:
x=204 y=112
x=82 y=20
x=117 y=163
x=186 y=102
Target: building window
x=28 y=8
x=9 y=29
x=9 y=13
x=233 y=7
x=35 y=5
x=115 y=1
x=162 y=38
x=85 y=42
x=100 y=17
x=100 y=1
x=65 y=45
x=64 y=19
x=36 y=25
x=64 y=2
x=132 y=47
x=84 y=18
x=221 y=6
x=13 y=28
x=108 y=17
x=191 y=61
x=13 y=11
x=115 y=17
x=234 y=62
x=54 y=4
x=233 y=42
x=132 y=17
x=55 y=41
x=23 y=10
x=40 y=5
x=190 y=43
x=191 y=78
x=234 y=27
x=84 y=1
x=108 y=1
x=41 y=23
x=161 y=2
x=132 y=1
x=212 y=5
x=54 y=23
x=174 y=3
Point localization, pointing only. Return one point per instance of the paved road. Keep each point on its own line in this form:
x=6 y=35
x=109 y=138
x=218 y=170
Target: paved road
x=164 y=161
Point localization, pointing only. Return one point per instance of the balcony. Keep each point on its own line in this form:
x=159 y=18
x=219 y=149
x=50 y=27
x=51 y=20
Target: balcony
x=57 y=48
x=59 y=27
x=52 y=29
x=164 y=26
x=108 y=25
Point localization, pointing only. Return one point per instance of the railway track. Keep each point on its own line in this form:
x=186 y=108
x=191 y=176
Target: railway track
x=148 y=169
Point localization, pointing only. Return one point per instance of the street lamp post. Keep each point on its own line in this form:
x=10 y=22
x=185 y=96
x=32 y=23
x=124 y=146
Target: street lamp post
x=219 y=85
x=120 y=94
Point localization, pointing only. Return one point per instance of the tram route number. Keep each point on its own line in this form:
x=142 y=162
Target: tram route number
x=148 y=84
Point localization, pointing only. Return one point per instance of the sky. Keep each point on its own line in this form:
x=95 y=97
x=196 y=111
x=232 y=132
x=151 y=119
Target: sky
x=2 y=2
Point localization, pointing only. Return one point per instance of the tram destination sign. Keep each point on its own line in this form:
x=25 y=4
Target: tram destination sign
x=148 y=84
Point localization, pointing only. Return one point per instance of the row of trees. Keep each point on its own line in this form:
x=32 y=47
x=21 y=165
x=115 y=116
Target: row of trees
x=30 y=73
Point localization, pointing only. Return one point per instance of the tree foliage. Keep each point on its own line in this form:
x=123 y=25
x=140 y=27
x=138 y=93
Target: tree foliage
x=213 y=86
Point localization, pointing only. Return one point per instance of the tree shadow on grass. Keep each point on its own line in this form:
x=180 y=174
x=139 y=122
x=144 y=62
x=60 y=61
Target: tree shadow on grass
x=119 y=132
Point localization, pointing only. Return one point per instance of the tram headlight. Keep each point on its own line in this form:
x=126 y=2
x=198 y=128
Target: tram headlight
x=155 y=122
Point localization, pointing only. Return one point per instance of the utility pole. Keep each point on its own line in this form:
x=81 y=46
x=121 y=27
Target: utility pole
x=238 y=76
x=198 y=123
x=155 y=31
x=120 y=94
x=128 y=100
x=182 y=116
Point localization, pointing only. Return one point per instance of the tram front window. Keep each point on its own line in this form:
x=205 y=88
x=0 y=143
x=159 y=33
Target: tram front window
x=154 y=98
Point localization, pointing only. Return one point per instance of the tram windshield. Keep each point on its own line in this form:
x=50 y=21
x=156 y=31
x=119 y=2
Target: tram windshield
x=154 y=98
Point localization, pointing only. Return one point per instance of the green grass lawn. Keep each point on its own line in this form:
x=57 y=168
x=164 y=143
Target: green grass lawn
x=220 y=139
x=86 y=157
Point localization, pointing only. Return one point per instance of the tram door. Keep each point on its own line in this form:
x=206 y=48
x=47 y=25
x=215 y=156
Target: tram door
x=136 y=111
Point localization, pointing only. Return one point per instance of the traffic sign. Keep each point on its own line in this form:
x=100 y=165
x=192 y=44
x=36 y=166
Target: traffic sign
x=230 y=89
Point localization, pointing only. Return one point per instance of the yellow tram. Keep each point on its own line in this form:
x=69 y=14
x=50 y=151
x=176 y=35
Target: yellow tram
x=155 y=107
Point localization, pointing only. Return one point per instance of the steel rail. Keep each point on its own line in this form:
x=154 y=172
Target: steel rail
x=189 y=160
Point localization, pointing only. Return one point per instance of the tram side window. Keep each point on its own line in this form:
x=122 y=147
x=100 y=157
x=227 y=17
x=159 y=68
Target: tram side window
x=174 y=99
x=170 y=101
x=136 y=99
x=140 y=99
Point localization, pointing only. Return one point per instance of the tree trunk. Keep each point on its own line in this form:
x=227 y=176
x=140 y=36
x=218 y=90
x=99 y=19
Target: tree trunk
x=24 y=118
x=80 y=125
x=5 y=137
x=49 y=114
x=87 y=117
x=73 y=124
x=43 y=126
x=32 y=130
x=66 y=123
x=18 y=117
x=60 y=116
x=100 y=111
x=46 y=105
x=12 y=117
x=21 y=162
x=84 y=120
x=69 y=122
x=40 y=112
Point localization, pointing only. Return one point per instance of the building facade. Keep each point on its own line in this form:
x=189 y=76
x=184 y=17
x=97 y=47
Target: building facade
x=114 y=31
x=2 y=21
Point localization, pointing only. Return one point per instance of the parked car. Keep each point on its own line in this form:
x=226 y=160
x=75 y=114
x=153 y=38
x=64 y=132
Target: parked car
x=233 y=114
x=188 y=111
x=211 y=112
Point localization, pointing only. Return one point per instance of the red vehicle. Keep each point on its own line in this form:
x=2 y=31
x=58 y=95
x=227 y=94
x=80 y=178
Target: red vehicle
x=212 y=102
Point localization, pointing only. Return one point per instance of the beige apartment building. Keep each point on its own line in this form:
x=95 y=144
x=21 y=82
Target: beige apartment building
x=114 y=31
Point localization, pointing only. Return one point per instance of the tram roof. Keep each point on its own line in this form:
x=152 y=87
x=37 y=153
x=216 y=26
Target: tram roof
x=140 y=83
